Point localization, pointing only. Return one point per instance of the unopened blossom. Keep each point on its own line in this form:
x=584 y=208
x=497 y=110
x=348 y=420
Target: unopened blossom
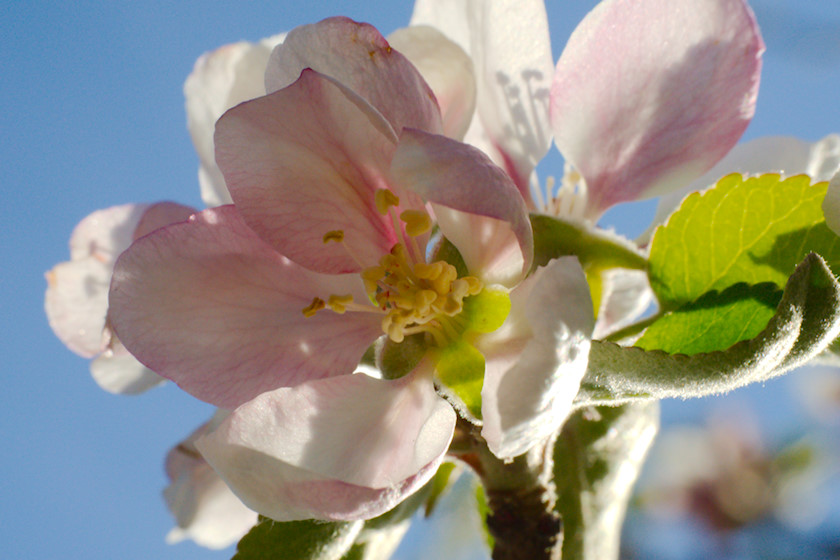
x=76 y=300
x=268 y=305
x=205 y=509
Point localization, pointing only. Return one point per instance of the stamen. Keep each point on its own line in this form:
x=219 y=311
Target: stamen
x=335 y=235
x=339 y=303
x=417 y=222
x=314 y=307
x=384 y=200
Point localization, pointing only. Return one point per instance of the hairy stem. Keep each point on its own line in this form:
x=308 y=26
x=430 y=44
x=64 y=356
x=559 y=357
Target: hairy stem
x=521 y=498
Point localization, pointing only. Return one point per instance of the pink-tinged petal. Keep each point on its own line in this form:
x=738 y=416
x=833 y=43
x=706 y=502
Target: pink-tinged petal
x=118 y=372
x=209 y=305
x=306 y=160
x=348 y=447
x=161 y=214
x=357 y=56
x=535 y=361
x=448 y=71
x=650 y=94
x=831 y=204
x=770 y=154
x=625 y=295
x=458 y=179
x=205 y=509
x=76 y=303
x=221 y=79
x=509 y=44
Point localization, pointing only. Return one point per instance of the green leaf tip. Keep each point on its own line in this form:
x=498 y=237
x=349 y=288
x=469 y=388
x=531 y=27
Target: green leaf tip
x=751 y=230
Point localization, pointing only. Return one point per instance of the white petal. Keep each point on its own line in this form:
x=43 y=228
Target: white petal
x=536 y=360
x=348 y=447
x=76 y=303
x=221 y=79
x=106 y=233
x=446 y=68
x=831 y=204
x=205 y=509
x=117 y=371
x=626 y=294
x=511 y=51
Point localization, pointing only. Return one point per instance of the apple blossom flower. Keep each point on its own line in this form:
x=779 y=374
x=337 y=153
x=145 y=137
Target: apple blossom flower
x=646 y=96
x=76 y=299
x=268 y=305
x=205 y=509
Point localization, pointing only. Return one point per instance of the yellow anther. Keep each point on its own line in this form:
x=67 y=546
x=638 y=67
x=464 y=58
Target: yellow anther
x=371 y=277
x=339 y=303
x=423 y=301
x=475 y=285
x=428 y=271
x=314 y=307
x=441 y=284
x=416 y=222
x=335 y=235
x=384 y=200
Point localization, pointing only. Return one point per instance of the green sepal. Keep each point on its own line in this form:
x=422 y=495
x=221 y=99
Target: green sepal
x=593 y=247
x=448 y=252
x=486 y=311
x=715 y=321
x=750 y=230
x=297 y=540
x=806 y=321
x=396 y=359
x=597 y=458
x=460 y=367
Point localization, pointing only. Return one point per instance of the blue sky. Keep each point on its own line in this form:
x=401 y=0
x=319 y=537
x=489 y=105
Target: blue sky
x=92 y=117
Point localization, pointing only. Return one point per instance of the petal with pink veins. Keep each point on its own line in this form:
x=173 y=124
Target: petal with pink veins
x=509 y=44
x=357 y=56
x=348 y=447
x=219 y=80
x=648 y=95
x=537 y=358
x=307 y=160
x=211 y=306
x=476 y=204
x=448 y=71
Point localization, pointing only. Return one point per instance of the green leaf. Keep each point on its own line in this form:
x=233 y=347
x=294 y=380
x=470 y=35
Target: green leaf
x=751 y=230
x=593 y=247
x=716 y=321
x=597 y=459
x=297 y=540
x=460 y=366
x=806 y=322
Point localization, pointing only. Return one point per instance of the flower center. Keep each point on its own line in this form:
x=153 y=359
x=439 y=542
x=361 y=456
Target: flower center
x=414 y=296
x=569 y=200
